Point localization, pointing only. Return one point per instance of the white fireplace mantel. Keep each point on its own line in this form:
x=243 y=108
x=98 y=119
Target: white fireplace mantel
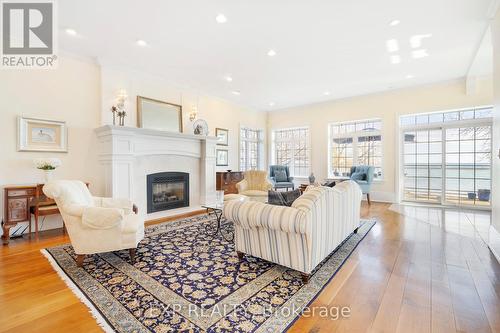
x=122 y=150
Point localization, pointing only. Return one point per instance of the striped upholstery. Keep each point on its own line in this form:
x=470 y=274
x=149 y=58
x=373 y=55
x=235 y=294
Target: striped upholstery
x=301 y=236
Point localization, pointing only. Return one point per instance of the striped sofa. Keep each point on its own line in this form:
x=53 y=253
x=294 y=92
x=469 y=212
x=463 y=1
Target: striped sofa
x=301 y=236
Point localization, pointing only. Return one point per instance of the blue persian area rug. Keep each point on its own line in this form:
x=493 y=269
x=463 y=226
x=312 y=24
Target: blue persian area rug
x=184 y=280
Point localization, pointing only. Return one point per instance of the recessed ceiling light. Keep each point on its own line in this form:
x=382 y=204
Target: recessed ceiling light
x=236 y=92
x=409 y=76
x=395 y=59
x=229 y=78
x=221 y=18
x=71 y=32
x=327 y=93
x=271 y=104
x=271 y=53
x=394 y=23
x=392 y=45
x=141 y=42
x=417 y=54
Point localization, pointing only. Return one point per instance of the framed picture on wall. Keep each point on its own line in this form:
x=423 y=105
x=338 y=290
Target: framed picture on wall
x=222 y=135
x=41 y=135
x=221 y=157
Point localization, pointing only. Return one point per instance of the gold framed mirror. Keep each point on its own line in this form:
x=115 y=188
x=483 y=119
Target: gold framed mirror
x=158 y=115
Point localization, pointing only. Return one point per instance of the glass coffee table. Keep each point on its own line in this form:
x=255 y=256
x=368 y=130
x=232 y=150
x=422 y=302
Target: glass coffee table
x=217 y=211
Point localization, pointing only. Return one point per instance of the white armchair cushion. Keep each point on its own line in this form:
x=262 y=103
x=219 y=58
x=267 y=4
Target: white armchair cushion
x=101 y=218
x=124 y=204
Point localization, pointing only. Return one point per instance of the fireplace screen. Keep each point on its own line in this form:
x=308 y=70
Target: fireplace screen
x=167 y=190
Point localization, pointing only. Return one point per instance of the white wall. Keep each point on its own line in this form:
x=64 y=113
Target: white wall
x=388 y=106
x=217 y=112
x=69 y=93
x=495 y=27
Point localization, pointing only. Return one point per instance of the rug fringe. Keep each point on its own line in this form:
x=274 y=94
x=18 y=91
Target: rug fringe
x=92 y=309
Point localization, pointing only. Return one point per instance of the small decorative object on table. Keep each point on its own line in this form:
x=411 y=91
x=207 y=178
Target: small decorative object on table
x=48 y=165
x=312 y=179
x=200 y=127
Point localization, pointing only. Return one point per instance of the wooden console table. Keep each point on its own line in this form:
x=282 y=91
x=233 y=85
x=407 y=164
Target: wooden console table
x=22 y=201
x=226 y=181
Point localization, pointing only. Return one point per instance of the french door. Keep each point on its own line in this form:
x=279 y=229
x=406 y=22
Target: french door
x=448 y=165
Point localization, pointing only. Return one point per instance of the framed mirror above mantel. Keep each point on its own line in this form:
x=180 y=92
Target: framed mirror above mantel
x=158 y=115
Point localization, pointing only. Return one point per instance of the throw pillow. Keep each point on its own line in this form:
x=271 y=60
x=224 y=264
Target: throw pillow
x=275 y=198
x=358 y=176
x=282 y=198
x=280 y=176
x=290 y=196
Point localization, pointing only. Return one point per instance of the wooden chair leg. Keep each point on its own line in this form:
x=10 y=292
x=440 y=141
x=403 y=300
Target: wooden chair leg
x=305 y=277
x=132 y=255
x=36 y=226
x=79 y=259
x=29 y=227
x=240 y=255
x=368 y=198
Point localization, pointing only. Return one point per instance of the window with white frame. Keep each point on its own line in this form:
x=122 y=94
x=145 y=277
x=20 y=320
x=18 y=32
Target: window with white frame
x=251 y=143
x=291 y=147
x=354 y=143
x=447 y=157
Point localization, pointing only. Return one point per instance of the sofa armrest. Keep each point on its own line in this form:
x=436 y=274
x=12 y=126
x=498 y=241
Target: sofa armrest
x=101 y=218
x=253 y=214
x=125 y=204
x=290 y=179
x=242 y=186
x=273 y=180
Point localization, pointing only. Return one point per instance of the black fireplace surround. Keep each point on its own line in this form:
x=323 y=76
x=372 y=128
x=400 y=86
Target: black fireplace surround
x=167 y=190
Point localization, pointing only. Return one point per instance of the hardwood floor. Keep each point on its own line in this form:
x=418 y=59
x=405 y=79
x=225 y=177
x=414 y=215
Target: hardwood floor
x=418 y=270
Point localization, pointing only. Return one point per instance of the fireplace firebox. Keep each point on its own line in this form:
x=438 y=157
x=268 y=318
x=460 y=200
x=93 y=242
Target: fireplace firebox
x=167 y=190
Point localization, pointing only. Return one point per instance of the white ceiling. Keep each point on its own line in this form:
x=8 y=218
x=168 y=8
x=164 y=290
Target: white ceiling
x=322 y=45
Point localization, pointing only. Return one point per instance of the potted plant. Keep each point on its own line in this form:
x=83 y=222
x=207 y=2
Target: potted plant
x=484 y=194
x=471 y=195
x=48 y=165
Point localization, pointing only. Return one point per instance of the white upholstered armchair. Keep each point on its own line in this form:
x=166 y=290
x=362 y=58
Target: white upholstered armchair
x=95 y=224
x=255 y=185
x=302 y=235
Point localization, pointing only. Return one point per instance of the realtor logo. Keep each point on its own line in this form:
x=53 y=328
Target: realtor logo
x=28 y=34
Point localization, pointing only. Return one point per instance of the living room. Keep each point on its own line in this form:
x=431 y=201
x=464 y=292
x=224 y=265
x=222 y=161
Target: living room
x=250 y=167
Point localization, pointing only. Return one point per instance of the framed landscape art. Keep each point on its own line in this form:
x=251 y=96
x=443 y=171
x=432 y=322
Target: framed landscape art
x=41 y=135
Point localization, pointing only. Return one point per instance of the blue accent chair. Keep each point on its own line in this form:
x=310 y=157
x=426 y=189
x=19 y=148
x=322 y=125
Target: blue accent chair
x=363 y=175
x=280 y=177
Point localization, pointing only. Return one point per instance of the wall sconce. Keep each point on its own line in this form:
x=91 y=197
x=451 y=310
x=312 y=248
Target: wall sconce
x=119 y=108
x=194 y=113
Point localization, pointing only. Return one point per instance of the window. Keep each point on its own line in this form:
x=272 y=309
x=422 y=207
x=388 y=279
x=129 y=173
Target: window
x=355 y=143
x=250 y=149
x=291 y=147
x=447 y=157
